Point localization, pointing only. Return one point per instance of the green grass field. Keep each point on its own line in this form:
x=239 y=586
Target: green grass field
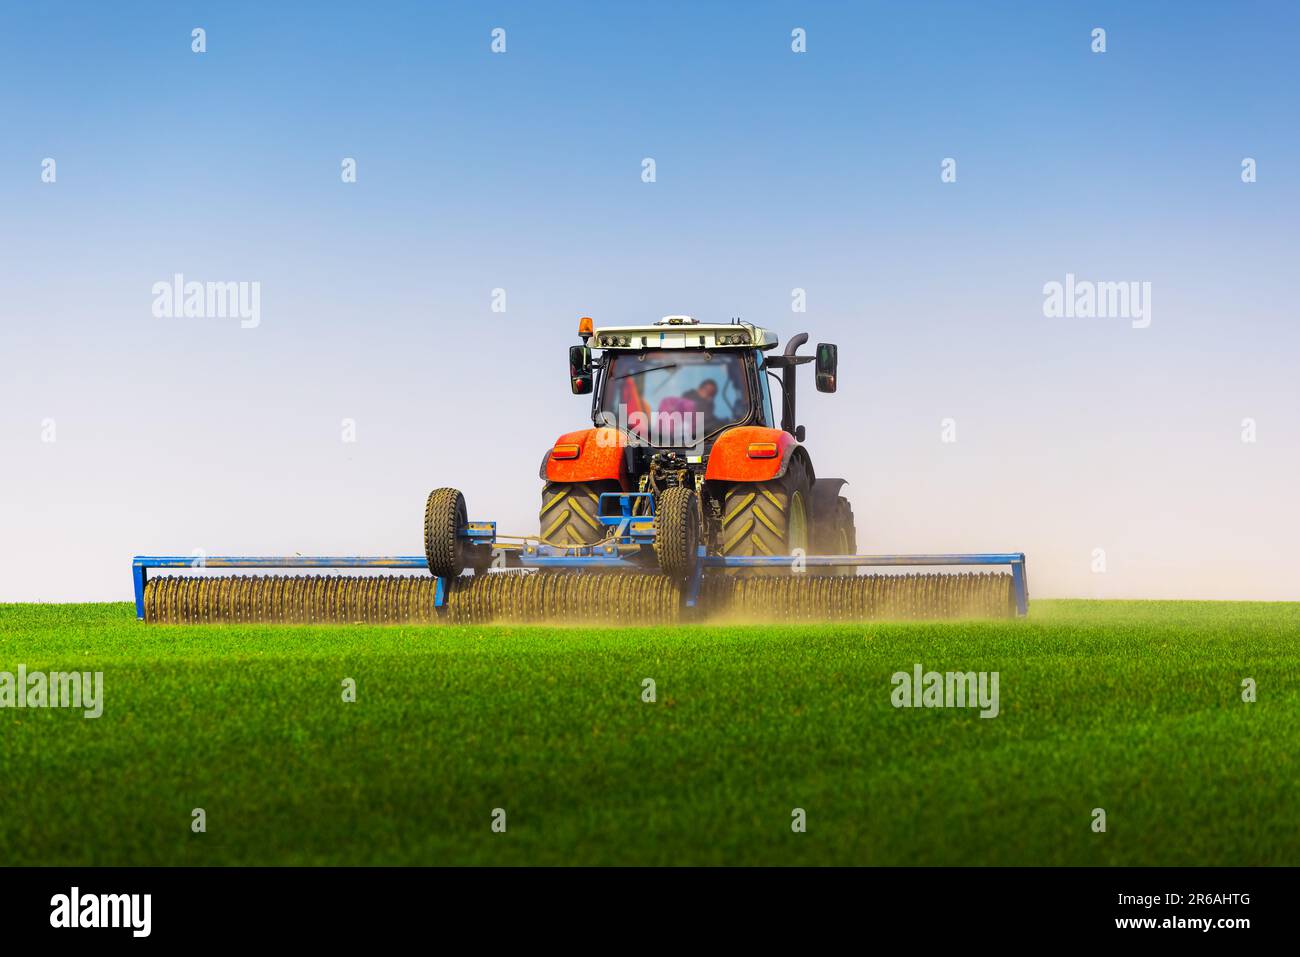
x=1134 y=707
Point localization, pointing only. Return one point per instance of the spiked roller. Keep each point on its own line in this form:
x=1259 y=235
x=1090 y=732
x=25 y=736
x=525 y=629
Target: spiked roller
x=562 y=592
x=511 y=596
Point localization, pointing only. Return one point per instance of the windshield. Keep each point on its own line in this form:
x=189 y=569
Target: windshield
x=674 y=398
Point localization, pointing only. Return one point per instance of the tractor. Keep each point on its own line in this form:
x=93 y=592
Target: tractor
x=688 y=429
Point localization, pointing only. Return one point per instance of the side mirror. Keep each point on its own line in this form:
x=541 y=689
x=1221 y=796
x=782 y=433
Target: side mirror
x=580 y=370
x=828 y=358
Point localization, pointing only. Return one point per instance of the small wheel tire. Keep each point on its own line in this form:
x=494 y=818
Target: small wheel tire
x=444 y=517
x=677 y=531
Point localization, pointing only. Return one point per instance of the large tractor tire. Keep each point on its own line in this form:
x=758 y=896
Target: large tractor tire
x=768 y=518
x=836 y=534
x=444 y=517
x=677 y=531
x=570 y=512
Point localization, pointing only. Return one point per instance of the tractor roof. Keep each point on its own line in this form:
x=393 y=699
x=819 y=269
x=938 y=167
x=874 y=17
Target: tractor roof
x=683 y=332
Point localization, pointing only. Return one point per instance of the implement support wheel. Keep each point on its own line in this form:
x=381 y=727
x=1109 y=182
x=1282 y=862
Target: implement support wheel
x=677 y=531
x=444 y=517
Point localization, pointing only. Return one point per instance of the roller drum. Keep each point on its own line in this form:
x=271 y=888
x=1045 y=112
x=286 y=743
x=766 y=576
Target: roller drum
x=573 y=597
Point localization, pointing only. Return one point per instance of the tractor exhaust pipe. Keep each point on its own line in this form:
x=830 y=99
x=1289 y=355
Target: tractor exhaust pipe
x=788 y=422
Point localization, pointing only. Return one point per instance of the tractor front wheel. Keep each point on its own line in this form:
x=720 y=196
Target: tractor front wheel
x=767 y=518
x=570 y=512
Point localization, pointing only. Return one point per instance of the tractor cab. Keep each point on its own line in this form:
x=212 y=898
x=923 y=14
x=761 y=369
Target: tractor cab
x=680 y=383
x=671 y=389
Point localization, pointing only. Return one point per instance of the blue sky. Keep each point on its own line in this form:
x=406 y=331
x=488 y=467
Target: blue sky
x=775 y=171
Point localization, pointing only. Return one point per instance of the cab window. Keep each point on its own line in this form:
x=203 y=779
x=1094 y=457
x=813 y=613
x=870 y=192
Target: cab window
x=675 y=398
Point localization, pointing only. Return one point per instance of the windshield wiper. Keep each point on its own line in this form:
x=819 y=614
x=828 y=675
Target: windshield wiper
x=625 y=375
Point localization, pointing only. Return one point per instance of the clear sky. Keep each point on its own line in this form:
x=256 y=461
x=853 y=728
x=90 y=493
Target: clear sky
x=775 y=171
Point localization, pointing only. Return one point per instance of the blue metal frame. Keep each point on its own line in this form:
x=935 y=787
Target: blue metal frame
x=482 y=533
x=627 y=549
x=630 y=529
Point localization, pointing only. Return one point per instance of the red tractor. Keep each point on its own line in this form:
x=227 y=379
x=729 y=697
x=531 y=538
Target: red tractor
x=686 y=433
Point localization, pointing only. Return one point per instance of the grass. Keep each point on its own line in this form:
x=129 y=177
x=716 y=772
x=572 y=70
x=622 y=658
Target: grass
x=1134 y=707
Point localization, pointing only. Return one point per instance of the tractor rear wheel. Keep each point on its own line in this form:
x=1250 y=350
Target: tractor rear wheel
x=677 y=531
x=836 y=534
x=570 y=512
x=444 y=517
x=767 y=518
